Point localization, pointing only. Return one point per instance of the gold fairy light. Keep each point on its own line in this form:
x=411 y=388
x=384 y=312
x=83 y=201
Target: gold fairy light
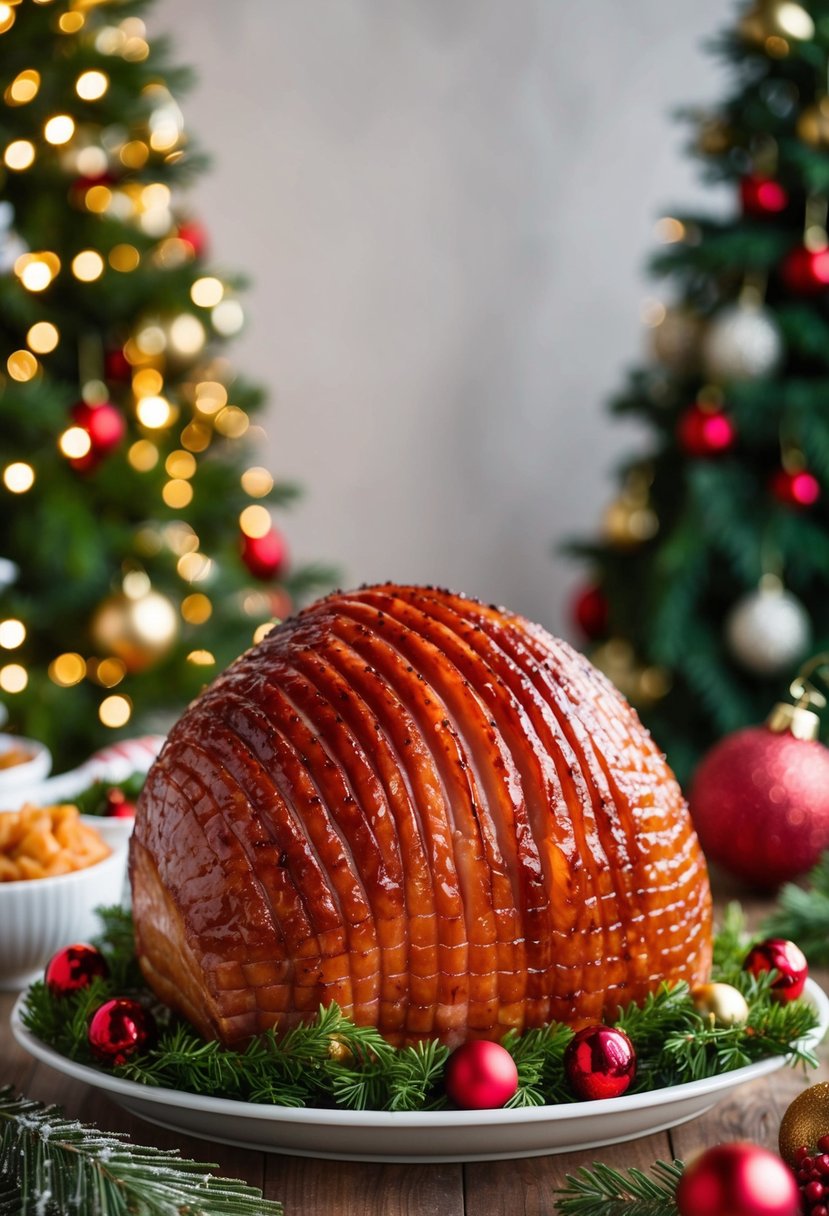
x=196 y=437
x=227 y=317
x=124 y=258
x=70 y=23
x=7 y=16
x=211 y=396
x=115 y=711
x=172 y=252
x=67 y=669
x=13 y=633
x=177 y=493
x=23 y=89
x=91 y=161
x=187 y=334
x=22 y=365
x=59 y=130
x=13 y=677
x=148 y=382
x=97 y=199
x=181 y=464
x=180 y=537
x=195 y=609
x=134 y=154
x=194 y=567
x=75 y=443
x=257 y=482
x=154 y=412
x=91 y=85
x=87 y=265
x=256 y=603
x=36 y=276
x=136 y=584
x=255 y=522
x=155 y=195
x=669 y=230
x=110 y=40
x=18 y=477
x=95 y=392
x=135 y=50
x=43 y=337
x=232 y=422
x=143 y=455
x=110 y=672
x=207 y=292
x=201 y=658
x=262 y=631
x=19 y=155
x=151 y=340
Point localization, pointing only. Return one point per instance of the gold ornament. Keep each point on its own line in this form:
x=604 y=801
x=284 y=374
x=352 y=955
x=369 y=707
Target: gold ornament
x=629 y=524
x=642 y=686
x=139 y=630
x=813 y=124
x=725 y=1005
x=675 y=340
x=772 y=24
x=715 y=137
x=339 y=1052
x=805 y=1121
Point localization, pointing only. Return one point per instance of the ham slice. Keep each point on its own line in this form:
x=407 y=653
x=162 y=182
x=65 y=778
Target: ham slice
x=425 y=809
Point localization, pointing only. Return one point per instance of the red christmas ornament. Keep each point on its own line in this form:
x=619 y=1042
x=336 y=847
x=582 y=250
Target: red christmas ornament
x=784 y=957
x=704 y=432
x=762 y=196
x=600 y=1062
x=118 y=806
x=760 y=801
x=73 y=968
x=265 y=556
x=103 y=423
x=800 y=489
x=806 y=271
x=195 y=234
x=117 y=367
x=590 y=611
x=737 y=1180
x=481 y=1075
x=118 y=1029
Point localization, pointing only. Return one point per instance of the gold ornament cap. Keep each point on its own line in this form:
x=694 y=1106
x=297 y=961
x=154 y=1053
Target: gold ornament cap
x=805 y=1121
x=795 y=720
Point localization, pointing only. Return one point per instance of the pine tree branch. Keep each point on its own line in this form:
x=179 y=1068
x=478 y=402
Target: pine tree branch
x=53 y=1166
x=603 y=1191
x=802 y=914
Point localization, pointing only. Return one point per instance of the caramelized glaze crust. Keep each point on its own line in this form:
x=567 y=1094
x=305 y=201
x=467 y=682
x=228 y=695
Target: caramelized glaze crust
x=425 y=809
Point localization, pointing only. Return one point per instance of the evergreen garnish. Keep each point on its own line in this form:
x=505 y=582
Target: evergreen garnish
x=331 y=1061
x=802 y=914
x=603 y=1191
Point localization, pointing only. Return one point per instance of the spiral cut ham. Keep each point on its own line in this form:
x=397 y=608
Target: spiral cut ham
x=425 y=809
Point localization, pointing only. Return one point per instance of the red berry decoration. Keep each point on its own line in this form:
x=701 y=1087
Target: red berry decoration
x=195 y=234
x=737 y=1180
x=73 y=968
x=806 y=271
x=118 y=806
x=265 y=556
x=762 y=196
x=600 y=1062
x=800 y=489
x=787 y=959
x=103 y=423
x=481 y=1075
x=705 y=432
x=590 y=612
x=118 y=1029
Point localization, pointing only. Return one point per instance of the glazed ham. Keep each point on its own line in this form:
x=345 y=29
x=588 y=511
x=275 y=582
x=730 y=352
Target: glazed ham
x=425 y=809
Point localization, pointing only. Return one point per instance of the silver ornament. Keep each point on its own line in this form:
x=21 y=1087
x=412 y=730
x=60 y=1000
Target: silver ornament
x=742 y=342
x=676 y=339
x=768 y=630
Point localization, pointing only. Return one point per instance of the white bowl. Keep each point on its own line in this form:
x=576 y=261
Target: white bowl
x=22 y=776
x=38 y=916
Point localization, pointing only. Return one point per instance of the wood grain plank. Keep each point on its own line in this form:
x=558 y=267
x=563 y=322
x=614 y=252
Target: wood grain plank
x=322 y=1188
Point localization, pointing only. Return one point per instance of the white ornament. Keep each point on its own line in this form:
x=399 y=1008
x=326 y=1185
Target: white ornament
x=742 y=342
x=768 y=630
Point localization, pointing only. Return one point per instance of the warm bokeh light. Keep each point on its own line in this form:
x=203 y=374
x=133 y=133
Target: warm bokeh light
x=148 y=382
x=194 y=567
x=228 y=317
x=75 y=443
x=124 y=258
x=151 y=340
x=262 y=631
x=232 y=422
x=13 y=632
x=95 y=392
x=668 y=230
x=97 y=200
x=207 y=292
x=67 y=670
x=43 y=337
x=23 y=88
x=187 y=334
x=36 y=276
x=196 y=437
x=136 y=584
x=18 y=477
x=70 y=23
x=87 y=265
x=91 y=85
x=181 y=464
x=195 y=608
x=257 y=482
x=19 y=154
x=60 y=129
x=154 y=412
x=115 y=711
x=92 y=161
x=177 y=493
x=13 y=677
x=143 y=455
x=211 y=396
x=110 y=672
x=255 y=522
x=21 y=365
x=201 y=658
x=134 y=154
x=7 y=16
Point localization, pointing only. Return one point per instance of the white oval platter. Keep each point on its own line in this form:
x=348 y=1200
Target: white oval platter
x=486 y=1135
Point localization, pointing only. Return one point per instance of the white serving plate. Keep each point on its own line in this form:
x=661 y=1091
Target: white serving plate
x=21 y=777
x=486 y=1135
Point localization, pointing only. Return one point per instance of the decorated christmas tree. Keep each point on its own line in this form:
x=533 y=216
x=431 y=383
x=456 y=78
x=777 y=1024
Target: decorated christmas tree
x=709 y=583
x=138 y=552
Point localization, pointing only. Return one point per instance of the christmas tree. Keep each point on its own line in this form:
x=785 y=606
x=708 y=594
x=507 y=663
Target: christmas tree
x=710 y=580
x=138 y=553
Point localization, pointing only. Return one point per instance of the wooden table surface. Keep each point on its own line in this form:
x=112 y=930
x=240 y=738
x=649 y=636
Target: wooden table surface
x=338 y=1188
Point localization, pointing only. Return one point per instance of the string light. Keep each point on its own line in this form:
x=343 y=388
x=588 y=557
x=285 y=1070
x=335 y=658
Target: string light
x=59 y=130
x=110 y=672
x=19 y=154
x=13 y=632
x=75 y=443
x=228 y=317
x=36 y=276
x=177 y=494
x=257 y=482
x=232 y=422
x=151 y=340
x=7 y=16
x=70 y=23
x=262 y=631
x=181 y=464
x=195 y=608
x=154 y=412
x=67 y=670
x=180 y=537
x=143 y=455
x=13 y=677
x=91 y=85
x=87 y=265
x=201 y=658
x=115 y=711
x=207 y=292
x=147 y=383
x=211 y=396
x=255 y=522
x=23 y=89
x=95 y=392
x=18 y=477
x=98 y=199
x=134 y=155
x=124 y=258
x=196 y=437
x=136 y=584
x=21 y=365
x=187 y=334
x=194 y=567
x=173 y=252
x=43 y=337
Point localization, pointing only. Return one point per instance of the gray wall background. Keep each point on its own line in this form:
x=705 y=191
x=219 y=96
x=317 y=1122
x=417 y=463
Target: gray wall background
x=445 y=207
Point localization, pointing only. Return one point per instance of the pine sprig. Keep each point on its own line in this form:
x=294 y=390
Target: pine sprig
x=53 y=1166
x=802 y=914
x=603 y=1191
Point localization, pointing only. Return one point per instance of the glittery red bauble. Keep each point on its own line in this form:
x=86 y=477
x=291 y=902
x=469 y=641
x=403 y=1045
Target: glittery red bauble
x=704 y=432
x=73 y=968
x=118 y=806
x=760 y=804
x=265 y=556
x=762 y=196
x=799 y=489
x=738 y=1180
x=481 y=1075
x=117 y=367
x=118 y=1029
x=806 y=271
x=195 y=235
x=590 y=612
x=784 y=957
x=600 y=1062
x=103 y=423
